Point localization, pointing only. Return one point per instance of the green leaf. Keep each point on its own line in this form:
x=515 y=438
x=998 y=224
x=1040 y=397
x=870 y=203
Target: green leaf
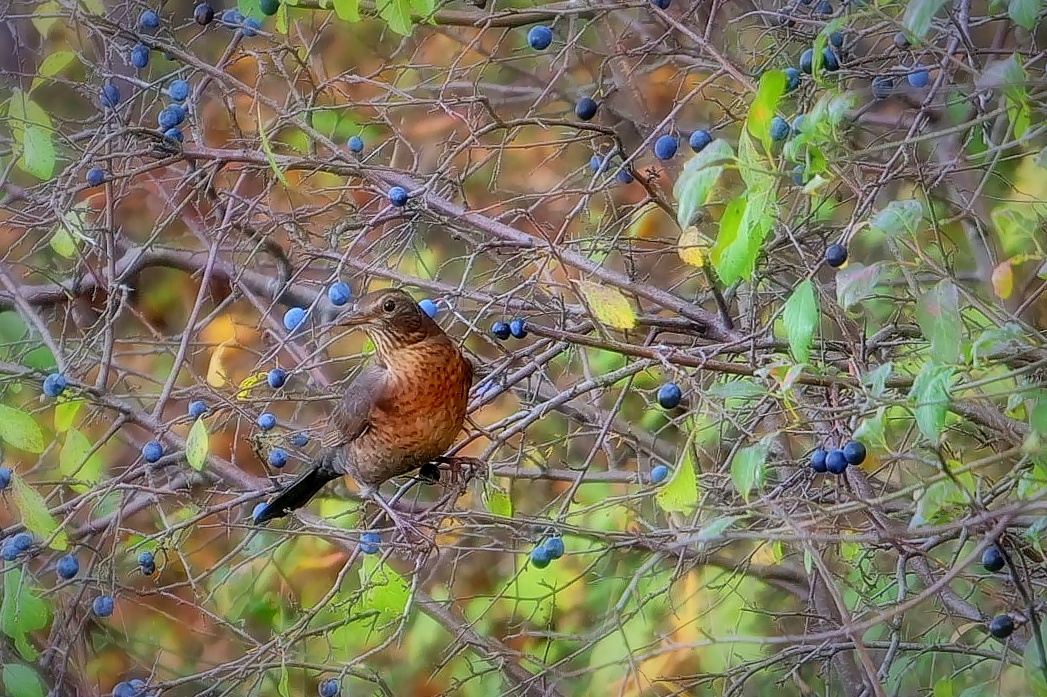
x=938 y=314
x=498 y=502
x=1036 y=666
x=1024 y=12
x=384 y=590
x=31 y=128
x=18 y=429
x=397 y=13
x=52 y=65
x=349 y=10
x=22 y=681
x=281 y=19
x=749 y=469
x=268 y=150
x=196 y=445
x=680 y=493
x=930 y=395
x=75 y=461
x=608 y=305
x=65 y=412
x=36 y=517
x=936 y=498
x=877 y=379
x=21 y=612
x=871 y=430
x=62 y=243
x=856 y=283
x=768 y=93
x=698 y=178
x=716 y=529
x=898 y=217
x=424 y=8
x=1015 y=95
x=800 y=316
x=918 y=16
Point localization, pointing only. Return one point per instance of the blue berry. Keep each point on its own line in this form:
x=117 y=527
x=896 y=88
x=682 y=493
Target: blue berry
x=919 y=78
x=298 y=440
x=152 y=451
x=836 y=39
x=554 y=547
x=792 y=79
x=277 y=458
x=67 y=567
x=259 y=509
x=836 y=255
x=251 y=26
x=355 y=144
x=110 y=96
x=799 y=175
x=599 y=164
x=329 y=688
x=266 y=421
x=103 y=605
x=807 y=61
x=8 y=551
x=539 y=37
x=518 y=328
x=854 y=452
x=140 y=56
x=699 y=140
x=585 y=109
x=203 y=14
x=170 y=116
x=623 y=176
x=369 y=542
x=339 y=293
x=659 y=473
x=269 y=7
x=829 y=60
x=779 y=128
x=294 y=318
x=900 y=40
x=818 y=460
x=669 y=396
x=797 y=124
x=882 y=86
x=22 y=541
x=823 y=8
x=835 y=461
x=147 y=563
x=539 y=557
x=232 y=18
x=428 y=307
x=174 y=135
x=95 y=176
x=197 y=409
x=661 y=4
x=398 y=196
x=665 y=147
x=992 y=559
x=124 y=689
x=1001 y=626
x=501 y=330
x=55 y=384
x=276 y=378
x=149 y=20
x=178 y=90
x=5 y=477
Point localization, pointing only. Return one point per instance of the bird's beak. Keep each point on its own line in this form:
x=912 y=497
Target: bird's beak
x=355 y=318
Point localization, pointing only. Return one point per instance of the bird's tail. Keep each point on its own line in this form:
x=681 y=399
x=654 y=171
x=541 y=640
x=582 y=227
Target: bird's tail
x=302 y=489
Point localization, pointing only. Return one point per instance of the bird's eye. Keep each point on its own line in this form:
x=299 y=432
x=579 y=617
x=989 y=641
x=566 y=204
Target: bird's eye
x=389 y=305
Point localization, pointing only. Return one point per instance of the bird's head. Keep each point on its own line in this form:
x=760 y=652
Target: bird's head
x=391 y=318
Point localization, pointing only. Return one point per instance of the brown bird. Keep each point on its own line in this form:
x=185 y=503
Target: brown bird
x=403 y=411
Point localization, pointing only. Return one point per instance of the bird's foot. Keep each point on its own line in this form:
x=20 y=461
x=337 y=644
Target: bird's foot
x=460 y=468
x=406 y=526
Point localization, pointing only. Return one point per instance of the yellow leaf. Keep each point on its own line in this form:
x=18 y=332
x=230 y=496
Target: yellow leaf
x=244 y=391
x=691 y=247
x=1003 y=280
x=216 y=374
x=608 y=305
x=196 y=445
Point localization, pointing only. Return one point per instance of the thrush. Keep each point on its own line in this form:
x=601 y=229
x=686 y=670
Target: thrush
x=402 y=411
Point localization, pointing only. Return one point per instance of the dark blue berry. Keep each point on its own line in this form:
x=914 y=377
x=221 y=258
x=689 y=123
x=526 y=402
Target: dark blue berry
x=854 y=452
x=339 y=293
x=792 y=79
x=900 y=40
x=146 y=559
x=277 y=457
x=599 y=164
x=140 y=56
x=1001 y=626
x=22 y=541
x=174 y=135
x=67 y=567
x=428 y=307
x=110 y=96
x=232 y=18
x=103 y=605
x=269 y=7
x=149 y=20
x=661 y=4
x=824 y=7
x=585 y=109
x=398 y=196
x=669 y=396
x=203 y=14
x=919 y=78
x=276 y=378
x=836 y=39
x=539 y=37
x=882 y=86
x=197 y=409
x=623 y=176
x=659 y=473
x=779 y=128
x=818 y=460
x=665 y=147
x=251 y=26
x=55 y=384
x=329 y=688
x=259 y=509
x=294 y=318
x=829 y=60
x=178 y=90
x=807 y=61
x=5 y=477
x=835 y=461
x=992 y=559
x=152 y=451
x=539 y=557
x=298 y=440
x=518 y=328
x=355 y=144
x=369 y=542
x=799 y=175
x=835 y=255
x=124 y=689
x=554 y=547
x=501 y=330
x=170 y=116
x=266 y=421
x=699 y=140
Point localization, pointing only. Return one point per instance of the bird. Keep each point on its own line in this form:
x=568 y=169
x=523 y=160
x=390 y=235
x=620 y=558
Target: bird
x=403 y=410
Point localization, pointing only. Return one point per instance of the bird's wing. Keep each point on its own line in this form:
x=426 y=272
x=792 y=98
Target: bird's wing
x=350 y=418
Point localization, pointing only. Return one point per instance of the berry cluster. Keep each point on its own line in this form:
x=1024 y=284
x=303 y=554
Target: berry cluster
x=515 y=328
x=552 y=548
x=835 y=461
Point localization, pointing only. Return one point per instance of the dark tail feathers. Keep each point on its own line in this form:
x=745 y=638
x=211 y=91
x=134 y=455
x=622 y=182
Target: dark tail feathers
x=302 y=489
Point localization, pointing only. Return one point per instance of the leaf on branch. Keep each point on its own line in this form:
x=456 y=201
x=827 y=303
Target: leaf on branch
x=930 y=396
x=608 y=305
x=800 y=316
x=36 y=516
x=938 y=314
x=768 y=93
x=698 y=179
x=20 y=430
x=918 y=16
x=197 y=444
x=22 y=681
x=22 y=612
x=898 y=217
x=691 y=248
x=680 y=493
x=749 y=469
